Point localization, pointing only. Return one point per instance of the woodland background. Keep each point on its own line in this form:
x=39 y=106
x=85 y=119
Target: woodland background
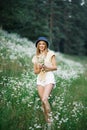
x=63 y=22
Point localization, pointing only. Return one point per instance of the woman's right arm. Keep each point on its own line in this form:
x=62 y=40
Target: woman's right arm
x=37 y=69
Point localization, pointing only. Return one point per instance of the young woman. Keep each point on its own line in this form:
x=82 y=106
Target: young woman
x=44 y=63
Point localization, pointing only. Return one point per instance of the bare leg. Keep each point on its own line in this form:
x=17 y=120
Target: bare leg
x=41 y=92
x=46 y=94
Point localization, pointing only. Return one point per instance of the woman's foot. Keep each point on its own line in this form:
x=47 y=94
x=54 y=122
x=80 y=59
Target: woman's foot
x=50 y=119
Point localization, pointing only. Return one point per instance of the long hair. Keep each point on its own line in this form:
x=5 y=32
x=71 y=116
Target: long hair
x=38 y=51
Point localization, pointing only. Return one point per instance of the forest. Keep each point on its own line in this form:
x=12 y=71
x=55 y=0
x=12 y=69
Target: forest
x=63 y=22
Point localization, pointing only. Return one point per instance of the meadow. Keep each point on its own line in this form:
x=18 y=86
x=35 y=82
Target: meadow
x=20 y=106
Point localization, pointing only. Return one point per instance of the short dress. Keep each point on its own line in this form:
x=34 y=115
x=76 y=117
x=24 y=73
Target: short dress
x=45 y=78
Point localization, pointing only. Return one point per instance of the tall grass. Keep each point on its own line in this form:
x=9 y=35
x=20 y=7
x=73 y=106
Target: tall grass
x=20 y=106
x=70 y=106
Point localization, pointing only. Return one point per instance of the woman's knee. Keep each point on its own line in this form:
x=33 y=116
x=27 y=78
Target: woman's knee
x=44 y=100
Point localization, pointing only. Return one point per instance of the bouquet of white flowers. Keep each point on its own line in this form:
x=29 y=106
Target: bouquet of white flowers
x=41 y=62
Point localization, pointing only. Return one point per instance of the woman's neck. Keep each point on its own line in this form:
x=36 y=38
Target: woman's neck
x=42 y=52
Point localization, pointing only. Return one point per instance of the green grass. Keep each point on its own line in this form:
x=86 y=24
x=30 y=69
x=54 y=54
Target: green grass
x=81 y=59
x=20 y=106
x=72 y=104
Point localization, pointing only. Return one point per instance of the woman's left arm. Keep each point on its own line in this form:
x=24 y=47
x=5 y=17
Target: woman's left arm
x=54 y=65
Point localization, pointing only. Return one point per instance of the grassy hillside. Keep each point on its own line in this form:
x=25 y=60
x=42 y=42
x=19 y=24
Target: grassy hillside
x=20 y=106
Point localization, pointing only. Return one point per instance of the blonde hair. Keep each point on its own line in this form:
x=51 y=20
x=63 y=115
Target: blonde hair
x=38 y=51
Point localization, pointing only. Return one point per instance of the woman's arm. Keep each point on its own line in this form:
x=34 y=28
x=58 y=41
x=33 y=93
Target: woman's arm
x=37 y=69
x=54 y=65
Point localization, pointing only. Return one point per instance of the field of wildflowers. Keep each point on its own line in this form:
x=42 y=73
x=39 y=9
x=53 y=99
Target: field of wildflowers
x=20 y=106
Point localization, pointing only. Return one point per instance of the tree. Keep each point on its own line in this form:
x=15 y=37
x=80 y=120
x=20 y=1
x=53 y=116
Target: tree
x=63 y=22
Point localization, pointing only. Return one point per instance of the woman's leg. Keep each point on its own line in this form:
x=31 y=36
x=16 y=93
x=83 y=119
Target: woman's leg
x=41 y=92
x=46 y=94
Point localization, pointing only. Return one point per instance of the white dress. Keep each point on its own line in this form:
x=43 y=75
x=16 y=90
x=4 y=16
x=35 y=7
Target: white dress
x=45 y=78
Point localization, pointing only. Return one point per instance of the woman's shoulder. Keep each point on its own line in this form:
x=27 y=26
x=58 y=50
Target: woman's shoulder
x=51 y=53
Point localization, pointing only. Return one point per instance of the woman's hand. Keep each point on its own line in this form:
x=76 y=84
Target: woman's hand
x=49 y=68
x=42 y=67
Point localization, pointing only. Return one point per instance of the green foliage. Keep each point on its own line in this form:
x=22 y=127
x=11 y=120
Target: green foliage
x=20 y=106
x=63 y=22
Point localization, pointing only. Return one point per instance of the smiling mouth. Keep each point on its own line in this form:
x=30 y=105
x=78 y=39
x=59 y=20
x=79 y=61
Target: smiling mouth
x=41 y=47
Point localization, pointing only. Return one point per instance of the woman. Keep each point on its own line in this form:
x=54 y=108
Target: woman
x=44 y=63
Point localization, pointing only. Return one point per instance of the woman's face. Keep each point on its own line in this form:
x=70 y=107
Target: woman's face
x=42 y=45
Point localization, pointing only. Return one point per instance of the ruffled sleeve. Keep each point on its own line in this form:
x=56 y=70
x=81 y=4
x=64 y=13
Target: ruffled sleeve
x=48 y=59
x=51 y=53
